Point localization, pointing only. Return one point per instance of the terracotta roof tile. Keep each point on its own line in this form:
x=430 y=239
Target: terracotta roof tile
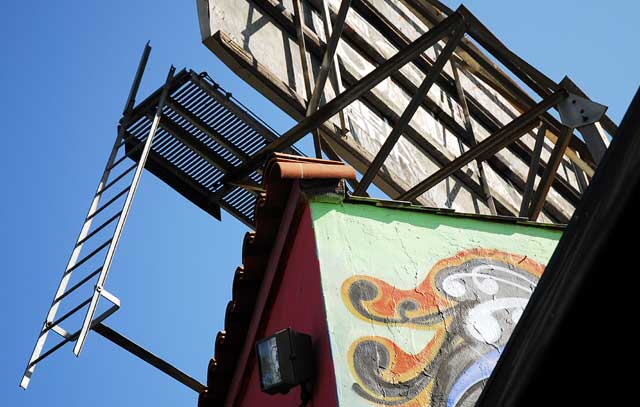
x=279 y=173
x=286 y=166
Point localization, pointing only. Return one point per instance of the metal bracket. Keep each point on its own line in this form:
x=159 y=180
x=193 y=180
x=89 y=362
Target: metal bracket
x=576 y=111
x=68 y=337
x=149 y=357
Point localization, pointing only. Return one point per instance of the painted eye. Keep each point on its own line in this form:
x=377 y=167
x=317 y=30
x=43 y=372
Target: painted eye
x=488 y=286
x=454 y=288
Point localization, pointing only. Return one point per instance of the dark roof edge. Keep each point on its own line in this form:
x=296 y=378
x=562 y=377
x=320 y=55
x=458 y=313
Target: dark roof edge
x=550 y=356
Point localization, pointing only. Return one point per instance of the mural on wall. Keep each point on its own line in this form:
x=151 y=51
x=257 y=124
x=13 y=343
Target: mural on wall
x=419 y=305
x=471 y=301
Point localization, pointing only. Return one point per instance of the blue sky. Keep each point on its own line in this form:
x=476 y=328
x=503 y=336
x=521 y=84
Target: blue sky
x=66 y=70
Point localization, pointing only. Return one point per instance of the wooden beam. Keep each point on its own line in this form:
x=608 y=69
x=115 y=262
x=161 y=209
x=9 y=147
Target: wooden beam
x=550 y=172
x=581 y=178
x=288 y=100
x=328 y=59
x=491 y=73
x=334 y=72
x=274 y=88
x=499 y=164
x=313 y=97
x=488 y=146
x=484 y=149
x=535 y=79
x=469 y=127
x=306 y=70
x=480 y=114
x=365 y=84
x=410 y=110
x=533 y=170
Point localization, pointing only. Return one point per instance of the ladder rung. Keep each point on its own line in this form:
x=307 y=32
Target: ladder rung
x=121 y=159
x=78 y=264
x=126 y=155
x=78 y=284
x=75 y=335
x=100 y=209
x=99 y=228
x=65 y=316
x=128 y=170
x=53 y=349
x=125 y=139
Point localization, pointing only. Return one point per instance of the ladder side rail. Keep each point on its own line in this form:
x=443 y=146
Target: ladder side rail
x=71 y=263
x=84 y=231
x=123 y=218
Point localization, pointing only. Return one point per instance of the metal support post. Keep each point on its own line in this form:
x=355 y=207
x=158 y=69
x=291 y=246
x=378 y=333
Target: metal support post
x=131 y=99
x=596 y=140
x=149 y=357
x=88 y=320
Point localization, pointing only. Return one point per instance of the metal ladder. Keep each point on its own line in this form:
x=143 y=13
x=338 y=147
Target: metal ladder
x=87 y=233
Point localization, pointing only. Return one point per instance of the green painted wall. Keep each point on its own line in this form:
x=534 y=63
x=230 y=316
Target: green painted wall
x=419 y=305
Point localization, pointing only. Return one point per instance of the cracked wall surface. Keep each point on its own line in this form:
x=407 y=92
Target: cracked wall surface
x=419 y=305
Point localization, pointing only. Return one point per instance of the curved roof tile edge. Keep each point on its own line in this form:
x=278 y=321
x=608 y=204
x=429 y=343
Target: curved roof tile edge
x=280 y=171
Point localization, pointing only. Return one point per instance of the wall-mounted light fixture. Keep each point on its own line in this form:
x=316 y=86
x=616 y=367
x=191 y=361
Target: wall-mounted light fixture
x=285 y=360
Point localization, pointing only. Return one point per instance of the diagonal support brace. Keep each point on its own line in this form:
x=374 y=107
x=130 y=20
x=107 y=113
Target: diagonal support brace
x=329 y=56
x=334 y=106
x=411 y=109
x=149 y=357
x=488 y=146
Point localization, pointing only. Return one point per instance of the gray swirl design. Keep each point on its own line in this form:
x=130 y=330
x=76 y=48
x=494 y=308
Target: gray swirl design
x=488 y=297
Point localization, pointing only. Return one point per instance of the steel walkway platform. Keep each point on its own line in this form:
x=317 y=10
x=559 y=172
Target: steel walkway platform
x=204 y=133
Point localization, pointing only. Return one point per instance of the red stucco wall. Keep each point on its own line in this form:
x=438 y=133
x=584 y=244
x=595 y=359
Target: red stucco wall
x=297 y=304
